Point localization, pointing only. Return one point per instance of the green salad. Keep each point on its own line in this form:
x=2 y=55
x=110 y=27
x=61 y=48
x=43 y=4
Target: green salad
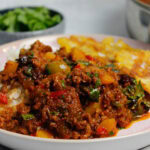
x=28 y=19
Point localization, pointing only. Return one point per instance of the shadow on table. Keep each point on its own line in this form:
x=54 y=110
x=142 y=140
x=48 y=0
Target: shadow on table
x=4 y=148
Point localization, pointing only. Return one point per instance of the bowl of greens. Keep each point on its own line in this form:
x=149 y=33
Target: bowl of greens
x=23 y=22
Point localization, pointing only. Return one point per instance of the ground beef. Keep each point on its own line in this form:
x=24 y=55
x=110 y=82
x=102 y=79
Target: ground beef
x=113 y=101
x=69 y=104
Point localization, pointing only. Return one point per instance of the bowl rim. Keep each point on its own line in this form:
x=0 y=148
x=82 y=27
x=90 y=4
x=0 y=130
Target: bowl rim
x=141 y=4
x=74 y=141
x=37 y=31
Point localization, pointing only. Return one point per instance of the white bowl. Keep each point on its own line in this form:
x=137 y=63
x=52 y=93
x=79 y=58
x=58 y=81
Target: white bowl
x=135 y=137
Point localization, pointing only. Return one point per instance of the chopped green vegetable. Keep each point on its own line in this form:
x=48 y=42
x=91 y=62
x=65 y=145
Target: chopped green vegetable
x=63 y=96
x=98 y=83
x=57 y=66
x=89 y=74
x=28 y=116
x=28 y=19
x=110 y=66
x=31 y=56
x=96 y=75
x=47 y=70
x=28 y=72
x=146 y=103
x=135 y=95
x=94 y=94
x=54 y=113
x=84 y=62
x=116 y=104
x=115 y=70
x=63 y=83
x=68 y=76
x=70 y=63
x=111 y=133
x=134 y=91
x=121 y=128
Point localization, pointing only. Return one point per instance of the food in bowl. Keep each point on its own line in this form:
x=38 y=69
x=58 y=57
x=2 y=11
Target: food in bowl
x=28 y=19
x=145 y=1
x=87 y=89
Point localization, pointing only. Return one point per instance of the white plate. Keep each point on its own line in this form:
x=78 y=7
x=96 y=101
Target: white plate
x=135 y=137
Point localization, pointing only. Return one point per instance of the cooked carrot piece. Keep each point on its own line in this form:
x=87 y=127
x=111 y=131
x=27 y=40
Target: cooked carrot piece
x=50 y=55
x=43 y=134
x=10 y=67
x=77 y=55
x=107 y=78
x=92 y=107
x=109 y=125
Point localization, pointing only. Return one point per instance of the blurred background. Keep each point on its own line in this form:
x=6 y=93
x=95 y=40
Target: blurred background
x=114 y=17
x=83 y=16
x=91 y=16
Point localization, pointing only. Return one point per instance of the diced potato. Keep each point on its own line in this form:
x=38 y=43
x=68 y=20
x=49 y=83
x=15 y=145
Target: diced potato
x=77 y=55
x=57 y=58
x=109 y=124
x=121 y=44
x=10 y=67
x=44 y=134
x=89 y=50
x=50 y=55
x=125 y=59
x=106 y=78
x=108 y=41
x=92 y=108
x=67 y=43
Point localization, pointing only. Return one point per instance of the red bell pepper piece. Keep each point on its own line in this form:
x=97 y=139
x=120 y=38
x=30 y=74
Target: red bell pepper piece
x=3 y=98
x=89 y=57
x=33 y=134
x=78 y=66
x=57 y=94
x=102 y=131
x=42 y=86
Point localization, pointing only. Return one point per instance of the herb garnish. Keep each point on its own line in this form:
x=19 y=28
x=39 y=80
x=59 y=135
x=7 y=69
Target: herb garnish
x=28 y=116
x=31 y=55
x=134 y=91
x=98 y=83
x=28 y=72
x=111 y=133
x=94 y=94
x=63 y=83
x=47 y=70
x=110 y=66
x=96 y=75
x=84 y=62
x=89 y=74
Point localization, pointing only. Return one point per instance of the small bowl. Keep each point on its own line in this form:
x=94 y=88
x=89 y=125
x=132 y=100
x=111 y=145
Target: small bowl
x=138 y=20
x=12 y=36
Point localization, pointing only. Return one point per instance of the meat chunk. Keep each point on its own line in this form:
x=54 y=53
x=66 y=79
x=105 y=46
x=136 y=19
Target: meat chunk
x=114 y=105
